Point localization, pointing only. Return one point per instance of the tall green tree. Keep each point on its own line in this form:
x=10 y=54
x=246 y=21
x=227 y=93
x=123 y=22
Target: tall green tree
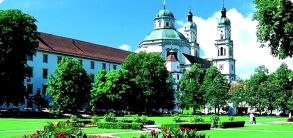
x=190 y=94
x=282 y=84
x=70 y=86
x=18 y=40
x=148 y=83
x=258 y=88
x=215 y=88
x=108 y=90
x=275 y=26
x=238 y=94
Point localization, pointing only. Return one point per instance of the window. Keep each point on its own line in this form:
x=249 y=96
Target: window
x=167 y=24
x=160 y=24
x=232 y=67
x=59 y=58
x=29 y=88
x=45 y=73
x=30 y=58
x=224 y=51
x=30 y=72
x=114 y=67
x=45 y=58
x=104 y=66
x=92 y=65
x=45 y=89
x=177 y=76
x=221 y=51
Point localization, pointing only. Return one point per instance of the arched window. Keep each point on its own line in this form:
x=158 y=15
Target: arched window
x=224 y=51
x=160 y=24
x=221 y=53
x=218 y=52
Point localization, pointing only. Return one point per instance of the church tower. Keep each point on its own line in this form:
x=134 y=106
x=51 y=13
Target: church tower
x=190 y=32
x=225 y=61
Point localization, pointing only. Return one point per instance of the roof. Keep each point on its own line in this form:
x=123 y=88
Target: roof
x=164 y=13
x=165 y=33
x=190 y=25
x=68 y=46
x=202 y=62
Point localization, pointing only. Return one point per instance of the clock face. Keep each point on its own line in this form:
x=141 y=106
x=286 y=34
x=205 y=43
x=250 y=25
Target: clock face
x=221 y=66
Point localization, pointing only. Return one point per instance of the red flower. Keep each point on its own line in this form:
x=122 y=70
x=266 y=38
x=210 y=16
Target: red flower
x=153 y=132
x=60 y=135
x=187 y=129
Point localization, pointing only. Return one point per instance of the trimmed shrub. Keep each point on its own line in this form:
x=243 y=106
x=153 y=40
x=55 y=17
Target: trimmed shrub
x=95 y=119
x=110 y=117
x=197 y=126
x=196 y=119
x=232 y=124
x=119 y=125
x=215 y=120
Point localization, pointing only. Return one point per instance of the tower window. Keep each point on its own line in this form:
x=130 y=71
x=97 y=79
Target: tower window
x=221 y=51
x=160 y=24
x=224 y=51
x=45 y=58
x=167 y=24
x=232 y=67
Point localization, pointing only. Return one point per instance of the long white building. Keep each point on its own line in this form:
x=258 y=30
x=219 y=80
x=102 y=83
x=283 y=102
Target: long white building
x=53 y=48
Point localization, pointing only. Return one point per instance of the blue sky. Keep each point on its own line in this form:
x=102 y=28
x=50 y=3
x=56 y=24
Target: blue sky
x=125 y=23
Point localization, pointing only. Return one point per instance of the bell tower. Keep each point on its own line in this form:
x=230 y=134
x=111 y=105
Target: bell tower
x=190 y=32
x=224 y=60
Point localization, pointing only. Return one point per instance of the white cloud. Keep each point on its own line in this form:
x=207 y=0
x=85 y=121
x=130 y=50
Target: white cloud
x=1 y=1
x=125 y=47
x=247 y=53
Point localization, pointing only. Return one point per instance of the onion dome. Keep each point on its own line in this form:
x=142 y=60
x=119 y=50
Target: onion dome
x=224 y=20
x=164 y=13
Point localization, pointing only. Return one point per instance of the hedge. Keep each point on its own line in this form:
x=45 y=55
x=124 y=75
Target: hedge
x=232 y=124
x=119 y=125
x=198 y=126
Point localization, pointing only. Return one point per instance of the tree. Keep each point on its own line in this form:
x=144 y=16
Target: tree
x=70 y=86
x=108 y=90
x=189 y=86
x=275 y=26
x=215 y=88
x=283 y=86
x=239 y=94
x=18 y=40
x=258 y=88
x=147 y=79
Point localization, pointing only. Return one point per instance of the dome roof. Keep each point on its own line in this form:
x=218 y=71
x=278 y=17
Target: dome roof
x=190 y=25
x=164 y=13
x=165 y=33
x=224 y=21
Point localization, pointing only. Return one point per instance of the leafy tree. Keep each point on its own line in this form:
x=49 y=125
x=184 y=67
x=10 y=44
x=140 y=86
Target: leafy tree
x=39 y=100
x=283 y=86
x=108 y=90
x=70 y=86
x=215 y=88
x=239 y=95
x=147 y=79
x=275 y=28
x=258 y=88
x=18 y=40
x=190 y=94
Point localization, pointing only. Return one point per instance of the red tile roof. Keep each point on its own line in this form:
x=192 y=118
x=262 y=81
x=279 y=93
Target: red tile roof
x=68 y=46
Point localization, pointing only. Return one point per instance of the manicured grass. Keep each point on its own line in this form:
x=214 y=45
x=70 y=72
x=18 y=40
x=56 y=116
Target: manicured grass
x=265 y=127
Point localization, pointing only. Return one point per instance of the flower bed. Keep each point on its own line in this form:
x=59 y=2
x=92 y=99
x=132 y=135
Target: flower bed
x=175 y=133
x=232 y=124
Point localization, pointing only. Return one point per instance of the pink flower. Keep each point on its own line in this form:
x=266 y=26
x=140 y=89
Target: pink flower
x=153 y=132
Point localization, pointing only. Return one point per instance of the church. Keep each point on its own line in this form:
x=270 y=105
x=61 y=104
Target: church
x=181 y=50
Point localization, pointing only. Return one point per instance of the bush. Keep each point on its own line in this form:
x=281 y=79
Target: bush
x=232 y=124
x=177 y=119
x=197 y=126
x=142 y=119
x=176 y=133
x=196 y=119
x=215 y=120
x=59 y=130
x=95 y=119
x=119 y=125
x=110 y=117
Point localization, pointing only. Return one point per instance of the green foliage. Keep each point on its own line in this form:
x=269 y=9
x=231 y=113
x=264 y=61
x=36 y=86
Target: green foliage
x=74 y=118
x=275 y=26
x=231 y=119
x=190 y=94
x=215 y=120
x=119 y=125
x=215 y=88
x=95 y=119
x=59 y=130
x=174 y=133
x=177 y=119
x=18 y=36
x=70 y=86
x=110 y=117
x=196 y=119
x=147 y=79
x=239 y=94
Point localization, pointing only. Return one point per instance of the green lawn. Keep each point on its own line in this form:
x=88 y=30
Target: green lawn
x=265 y=127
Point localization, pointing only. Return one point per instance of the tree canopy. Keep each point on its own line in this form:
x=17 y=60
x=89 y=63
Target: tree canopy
x=70 y=86
x=275 y=26
x=190 y=94
x=18 y=40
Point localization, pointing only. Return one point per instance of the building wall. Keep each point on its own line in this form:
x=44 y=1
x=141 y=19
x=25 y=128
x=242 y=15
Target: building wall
x=38 y=65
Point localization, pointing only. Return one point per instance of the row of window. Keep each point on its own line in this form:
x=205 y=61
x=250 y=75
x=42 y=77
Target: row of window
x=30 y=73
x=59 y=58
x=29 y=89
